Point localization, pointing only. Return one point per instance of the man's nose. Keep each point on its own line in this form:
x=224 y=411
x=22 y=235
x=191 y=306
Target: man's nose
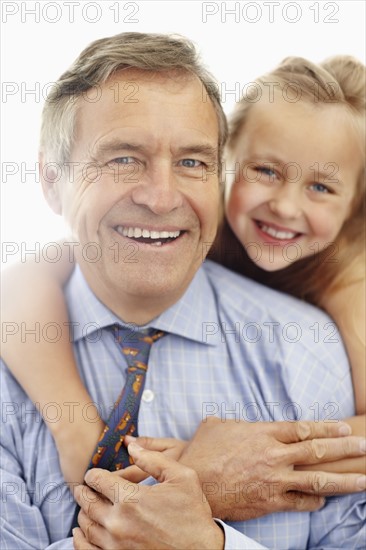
x=158 y=190
x=286 y=202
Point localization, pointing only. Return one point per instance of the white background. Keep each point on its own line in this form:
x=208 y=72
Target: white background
x=236 y=47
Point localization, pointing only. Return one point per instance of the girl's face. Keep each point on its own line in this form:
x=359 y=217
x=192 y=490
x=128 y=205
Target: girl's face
x=299 y=166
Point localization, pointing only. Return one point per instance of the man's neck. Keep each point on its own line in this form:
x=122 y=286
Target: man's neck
x=130 y=308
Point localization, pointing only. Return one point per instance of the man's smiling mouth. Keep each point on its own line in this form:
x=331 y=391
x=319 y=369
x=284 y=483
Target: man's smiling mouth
x=147 y=236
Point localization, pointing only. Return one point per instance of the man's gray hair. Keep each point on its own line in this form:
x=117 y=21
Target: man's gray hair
x=98 y=62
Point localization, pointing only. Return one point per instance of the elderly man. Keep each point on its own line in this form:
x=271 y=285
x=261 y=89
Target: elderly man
x=144 y=179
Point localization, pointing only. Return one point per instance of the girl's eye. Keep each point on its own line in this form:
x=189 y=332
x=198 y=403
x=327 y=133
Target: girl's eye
x=319 y=188
x=265 y=170
x=191 y=163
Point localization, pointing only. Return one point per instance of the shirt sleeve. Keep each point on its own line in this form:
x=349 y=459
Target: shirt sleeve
x=23 y=523
x=235 y=540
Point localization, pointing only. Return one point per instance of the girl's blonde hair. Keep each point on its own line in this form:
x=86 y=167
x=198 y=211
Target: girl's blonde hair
x=340 y=80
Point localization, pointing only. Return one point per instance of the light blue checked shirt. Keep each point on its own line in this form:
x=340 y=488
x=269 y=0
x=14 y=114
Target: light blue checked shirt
x=234 y=349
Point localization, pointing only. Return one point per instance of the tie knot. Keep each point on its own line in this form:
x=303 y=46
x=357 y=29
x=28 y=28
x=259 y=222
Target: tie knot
x=135 y=343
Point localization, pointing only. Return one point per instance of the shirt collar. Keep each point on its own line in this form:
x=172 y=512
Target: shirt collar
x=192 y=317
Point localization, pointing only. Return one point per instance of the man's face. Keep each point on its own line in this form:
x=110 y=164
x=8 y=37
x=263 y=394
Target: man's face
x=145 y=190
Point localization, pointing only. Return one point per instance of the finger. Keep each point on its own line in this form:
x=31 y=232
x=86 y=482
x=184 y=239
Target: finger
x=132 y=473
x=93 y=532
x=300 y=502
x=85 y=496
x=80 y=542
x=325 y=483
x=153 y=443
x=290 y=432
x=317 y=451
x=340 y=466
x=92 y=504
x=158 y=465
x=107 y=484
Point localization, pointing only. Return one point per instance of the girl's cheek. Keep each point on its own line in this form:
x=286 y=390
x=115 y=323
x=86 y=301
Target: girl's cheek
x=325 y=223
x=248 y=197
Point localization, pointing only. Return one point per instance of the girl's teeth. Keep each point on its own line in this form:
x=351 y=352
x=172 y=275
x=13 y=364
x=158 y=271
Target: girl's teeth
x=285 y=235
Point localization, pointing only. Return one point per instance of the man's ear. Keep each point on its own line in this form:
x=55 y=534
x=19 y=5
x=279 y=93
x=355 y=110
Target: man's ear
x=50 y=175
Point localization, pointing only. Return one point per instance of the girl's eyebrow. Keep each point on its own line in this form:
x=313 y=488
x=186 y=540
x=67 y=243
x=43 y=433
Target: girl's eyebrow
x=326 y=175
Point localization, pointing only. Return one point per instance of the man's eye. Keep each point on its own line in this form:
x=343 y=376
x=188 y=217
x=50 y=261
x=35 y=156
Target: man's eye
x=191 y=163
x=319 y=188
x=124 y=160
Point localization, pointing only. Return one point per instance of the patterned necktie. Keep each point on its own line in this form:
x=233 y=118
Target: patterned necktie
x=110 y=453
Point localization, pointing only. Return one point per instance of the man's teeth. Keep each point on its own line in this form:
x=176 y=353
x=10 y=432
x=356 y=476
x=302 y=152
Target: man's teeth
x=285 y=235
x=137 y=232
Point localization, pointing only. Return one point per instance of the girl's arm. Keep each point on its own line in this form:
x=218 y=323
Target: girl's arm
x=347 y=307
x=37 y=349
x=49 y=364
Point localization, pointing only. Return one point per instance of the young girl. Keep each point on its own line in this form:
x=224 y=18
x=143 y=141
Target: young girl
x=294 y=222
x=295 y=210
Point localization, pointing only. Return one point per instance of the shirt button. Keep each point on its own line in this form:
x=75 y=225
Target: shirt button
x=147 y=396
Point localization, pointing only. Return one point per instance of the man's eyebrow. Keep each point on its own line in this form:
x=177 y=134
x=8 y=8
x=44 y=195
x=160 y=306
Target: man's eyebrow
x=209 y=152
x=115 y=146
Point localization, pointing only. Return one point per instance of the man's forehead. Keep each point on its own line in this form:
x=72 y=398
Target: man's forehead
x=124 y=85
x=136 y=106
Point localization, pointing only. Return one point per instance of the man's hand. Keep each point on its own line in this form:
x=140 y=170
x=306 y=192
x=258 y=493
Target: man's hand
x=248 y=470
x=117 y=514
x=80 y=541
x=168 y=446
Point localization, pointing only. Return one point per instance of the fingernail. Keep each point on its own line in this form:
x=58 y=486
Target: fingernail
x=363 y=446
x=89 y=474
x=344 y=429
x=361 y=482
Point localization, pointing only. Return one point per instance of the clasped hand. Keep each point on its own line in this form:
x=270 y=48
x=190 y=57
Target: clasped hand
x=118 y=514
x=229 y=470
